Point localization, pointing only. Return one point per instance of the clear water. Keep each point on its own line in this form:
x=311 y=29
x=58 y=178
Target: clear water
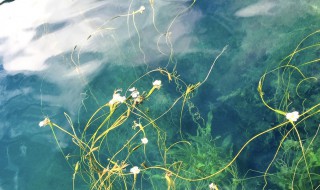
x=70 y=56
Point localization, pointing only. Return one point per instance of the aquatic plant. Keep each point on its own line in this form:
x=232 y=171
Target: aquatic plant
x=290 y=86
x=125 y=142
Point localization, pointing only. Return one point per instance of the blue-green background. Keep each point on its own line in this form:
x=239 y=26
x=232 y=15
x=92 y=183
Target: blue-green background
x=29 y=157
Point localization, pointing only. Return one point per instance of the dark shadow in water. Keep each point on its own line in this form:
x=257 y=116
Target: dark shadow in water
x=6 y=1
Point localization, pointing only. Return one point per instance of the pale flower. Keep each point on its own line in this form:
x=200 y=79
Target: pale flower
x=41 y=124
x=144 y=140
x=132 y=89
x=157 y=84
x=135 y=170
x=135 y=94
x=293 y=116
x=213 y=186
x=135 y=125
x=117 y=99
x=45 y=122
x=141 y=9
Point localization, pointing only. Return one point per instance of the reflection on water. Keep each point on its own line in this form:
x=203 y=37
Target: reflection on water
x=70 y=56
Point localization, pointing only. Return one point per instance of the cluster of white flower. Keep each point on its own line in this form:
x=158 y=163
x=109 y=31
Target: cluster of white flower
x=135 y=94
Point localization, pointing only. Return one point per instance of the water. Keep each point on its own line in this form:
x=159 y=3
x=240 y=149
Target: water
x=69 y=57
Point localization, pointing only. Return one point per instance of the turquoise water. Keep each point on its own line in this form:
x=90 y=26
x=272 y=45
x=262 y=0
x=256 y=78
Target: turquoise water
x=69 y=57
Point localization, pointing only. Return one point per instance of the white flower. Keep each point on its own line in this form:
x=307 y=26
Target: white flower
x=144 y=140
x=135 y=94
x=132 y=89
x=293 y=116
x=213 y=186
x=41 y=124
x=157 y=84
x=117 y=99
x=45 y=122
x=141 y=9
x=135 y=125
x=135 y=170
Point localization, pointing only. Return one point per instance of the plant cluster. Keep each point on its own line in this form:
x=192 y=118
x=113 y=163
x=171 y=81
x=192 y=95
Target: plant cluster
x=125 y=145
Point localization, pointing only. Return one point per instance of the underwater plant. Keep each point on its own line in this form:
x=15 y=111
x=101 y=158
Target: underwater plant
x=137 y=138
